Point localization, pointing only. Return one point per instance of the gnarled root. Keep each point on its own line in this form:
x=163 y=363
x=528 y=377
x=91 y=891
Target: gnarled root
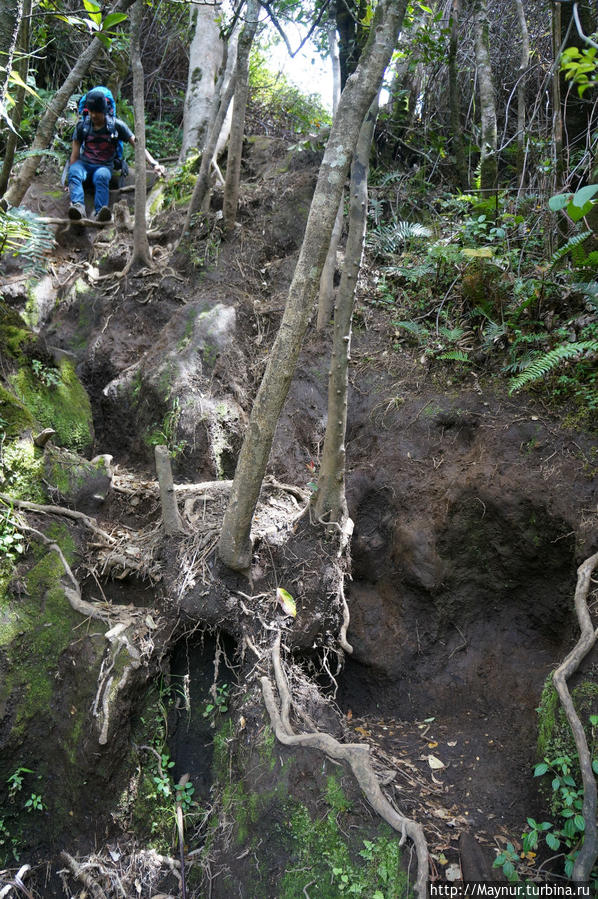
x=589 y=851
x=358 y=757
x=79 y=873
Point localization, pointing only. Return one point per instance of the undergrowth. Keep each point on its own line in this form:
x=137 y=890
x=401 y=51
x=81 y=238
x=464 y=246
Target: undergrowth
x=477 y=286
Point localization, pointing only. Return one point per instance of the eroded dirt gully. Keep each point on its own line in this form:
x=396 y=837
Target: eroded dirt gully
x=471 y=510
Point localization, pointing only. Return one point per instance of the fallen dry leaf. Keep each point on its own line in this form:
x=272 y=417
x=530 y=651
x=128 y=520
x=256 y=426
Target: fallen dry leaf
x=435 y=763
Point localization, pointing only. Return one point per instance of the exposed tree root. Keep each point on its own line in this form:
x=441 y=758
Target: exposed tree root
x=589 y=851
x=89 y=522
x=79 y=873
x=356 y=754
x=17 y=883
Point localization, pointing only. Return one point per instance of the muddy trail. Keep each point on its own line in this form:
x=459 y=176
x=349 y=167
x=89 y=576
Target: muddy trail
x=472 y=511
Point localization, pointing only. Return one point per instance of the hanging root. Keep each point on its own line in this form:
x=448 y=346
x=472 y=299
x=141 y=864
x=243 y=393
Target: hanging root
x=356 y=754
x=589 y=851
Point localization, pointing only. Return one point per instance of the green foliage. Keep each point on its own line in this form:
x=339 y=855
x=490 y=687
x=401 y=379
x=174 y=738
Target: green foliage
x=219 y=704
x=543 y=365
x=581 y=67
x=23 y=234
x=319 y=847
x=566 y=835
x=281 y=106
x=165 y=435
x=12 y=541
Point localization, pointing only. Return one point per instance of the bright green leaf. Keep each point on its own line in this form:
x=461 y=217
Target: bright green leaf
x=583 y=196
x=552 y=841
x=114 y=18
x=287 y=602
x=559 y=201
x=540 y=769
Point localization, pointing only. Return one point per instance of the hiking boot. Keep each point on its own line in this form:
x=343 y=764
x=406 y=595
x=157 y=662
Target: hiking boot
x=77 y=212
x=103 y=215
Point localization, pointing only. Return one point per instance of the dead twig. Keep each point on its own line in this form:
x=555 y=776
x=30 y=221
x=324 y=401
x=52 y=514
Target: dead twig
x=79 y=873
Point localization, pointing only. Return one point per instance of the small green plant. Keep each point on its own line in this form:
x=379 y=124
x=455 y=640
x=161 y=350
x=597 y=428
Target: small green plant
x=15 y=781
x=34 y=803
x=565 y=836
x=184 y=795
x=219 y=705
x=50 y=377
x=12 y=545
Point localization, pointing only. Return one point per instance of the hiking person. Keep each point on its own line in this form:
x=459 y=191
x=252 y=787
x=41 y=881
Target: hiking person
x=93 y=155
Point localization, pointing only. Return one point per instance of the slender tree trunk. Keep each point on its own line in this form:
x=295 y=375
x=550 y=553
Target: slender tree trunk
x=455 y=98
x=488 y=161
x=359 y=92
x=330 y=501
x=523 y=66
x=557 y=106
x=237 y=132
x=141 y=251
x=326 y=296
x=202 y=185
x=206 y=55
x=45 y=129
x=22 y=67
x=11 y=15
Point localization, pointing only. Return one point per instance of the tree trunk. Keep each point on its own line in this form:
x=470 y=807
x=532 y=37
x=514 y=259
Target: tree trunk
x=22 y=67
x=359 y=92
x=330 y=501
x=141 y=252
x=326 y=295
x=45 y=129
x=202 y=185
x=557 y=108
x=235 y=145
x=206 y=56
x=488 y=161
x=11 y=15
x=455 y=99
x=523 y=66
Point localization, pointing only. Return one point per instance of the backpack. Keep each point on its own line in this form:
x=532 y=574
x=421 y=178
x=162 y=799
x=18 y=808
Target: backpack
x=120 y=163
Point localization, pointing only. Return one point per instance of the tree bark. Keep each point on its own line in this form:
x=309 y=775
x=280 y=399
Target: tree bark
x=11 y=15
x=237 y=131
x=22 y=67
x=557 y=107
x=45 y=129
x=326 y=296
x=141 y=251
x=206 y=56
x=330 y=501
x=488 y=160
x=523 y=66
x=455 y=99
x=360 y=90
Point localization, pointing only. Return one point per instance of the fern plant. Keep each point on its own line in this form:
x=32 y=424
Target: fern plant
x=387 y=239
x=542 y=366
x=573 y=242
x=23 y=233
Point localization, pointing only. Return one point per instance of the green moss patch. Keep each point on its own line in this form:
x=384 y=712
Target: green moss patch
x=63 y=405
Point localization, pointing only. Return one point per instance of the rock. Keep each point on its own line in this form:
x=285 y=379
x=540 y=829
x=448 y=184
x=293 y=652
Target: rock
x=173 y=395
x=76 y=481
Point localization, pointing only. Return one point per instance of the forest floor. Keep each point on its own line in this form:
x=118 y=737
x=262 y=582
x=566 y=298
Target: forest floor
x=471 y=509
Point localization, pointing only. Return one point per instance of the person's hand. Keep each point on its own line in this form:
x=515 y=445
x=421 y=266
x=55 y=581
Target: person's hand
x=159 y=170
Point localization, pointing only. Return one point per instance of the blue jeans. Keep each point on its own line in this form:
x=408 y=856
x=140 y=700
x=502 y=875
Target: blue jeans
x=100 y=175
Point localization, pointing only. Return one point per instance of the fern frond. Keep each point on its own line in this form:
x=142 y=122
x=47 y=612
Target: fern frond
x=386 y=239
x=413 y=328
x=573 y=242
x=23 y=233
x=539 y=368
x=454 y=356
